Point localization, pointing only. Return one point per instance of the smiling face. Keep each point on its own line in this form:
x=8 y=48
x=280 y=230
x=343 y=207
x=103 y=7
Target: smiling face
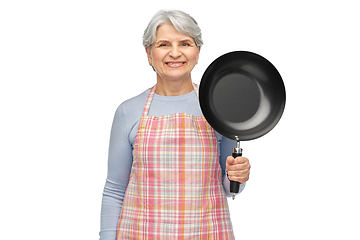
x=173 y=55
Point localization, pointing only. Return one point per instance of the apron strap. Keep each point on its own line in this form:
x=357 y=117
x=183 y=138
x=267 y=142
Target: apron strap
x=196 y=89
x=148 y=101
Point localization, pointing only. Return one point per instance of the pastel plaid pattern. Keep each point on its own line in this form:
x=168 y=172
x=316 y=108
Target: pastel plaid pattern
x=175 y=189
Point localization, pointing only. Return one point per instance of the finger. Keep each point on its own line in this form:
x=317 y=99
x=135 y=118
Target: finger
x=241 y=160
x=229 y=161
x=238 y=173
x=238 y=167
x=239 y=177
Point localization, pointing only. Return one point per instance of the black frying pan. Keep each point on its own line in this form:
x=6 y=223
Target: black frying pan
x=242 y=96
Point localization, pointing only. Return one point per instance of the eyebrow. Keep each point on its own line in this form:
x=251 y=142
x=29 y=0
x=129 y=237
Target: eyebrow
x=183 y=40
x=187 y=40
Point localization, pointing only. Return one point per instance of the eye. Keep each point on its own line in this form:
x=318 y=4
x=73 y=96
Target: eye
x=185 y=44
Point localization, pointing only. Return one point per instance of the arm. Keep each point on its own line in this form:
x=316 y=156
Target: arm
x=226 y=146
x=119 y=168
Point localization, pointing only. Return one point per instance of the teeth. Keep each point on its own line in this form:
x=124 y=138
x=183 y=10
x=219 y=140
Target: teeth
x=174 y=63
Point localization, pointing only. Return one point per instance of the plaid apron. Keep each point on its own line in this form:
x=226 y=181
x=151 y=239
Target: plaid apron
x=175 y=188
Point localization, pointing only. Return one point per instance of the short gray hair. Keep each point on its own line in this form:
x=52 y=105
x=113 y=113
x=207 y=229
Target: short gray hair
x=183 y=23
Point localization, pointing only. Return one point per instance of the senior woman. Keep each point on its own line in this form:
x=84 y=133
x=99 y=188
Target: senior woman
x=167 y=167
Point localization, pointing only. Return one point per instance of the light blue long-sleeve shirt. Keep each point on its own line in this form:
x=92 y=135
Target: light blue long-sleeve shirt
x=122 y=139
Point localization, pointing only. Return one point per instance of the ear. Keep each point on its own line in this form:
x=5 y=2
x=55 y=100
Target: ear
x=148 y=52
x=198 y=53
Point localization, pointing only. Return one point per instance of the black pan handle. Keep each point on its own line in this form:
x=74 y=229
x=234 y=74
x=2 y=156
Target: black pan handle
x=235 y=186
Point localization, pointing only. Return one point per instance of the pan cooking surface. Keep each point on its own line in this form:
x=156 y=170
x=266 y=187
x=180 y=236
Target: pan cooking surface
x=241 y=91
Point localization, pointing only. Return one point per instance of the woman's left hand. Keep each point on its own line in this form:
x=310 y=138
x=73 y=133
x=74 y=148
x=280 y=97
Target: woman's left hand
x=238 y=169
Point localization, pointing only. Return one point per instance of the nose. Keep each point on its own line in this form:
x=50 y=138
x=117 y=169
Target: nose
x=175 y=52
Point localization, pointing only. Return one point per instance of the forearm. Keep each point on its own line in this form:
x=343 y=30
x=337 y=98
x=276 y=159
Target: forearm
x=113 y=196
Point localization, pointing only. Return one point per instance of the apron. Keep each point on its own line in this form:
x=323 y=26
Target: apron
x=175 y=188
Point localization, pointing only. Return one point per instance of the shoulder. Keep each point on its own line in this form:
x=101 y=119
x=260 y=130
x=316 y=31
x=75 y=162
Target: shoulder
x=133 y=106
x=136 y=101
x=128 y=113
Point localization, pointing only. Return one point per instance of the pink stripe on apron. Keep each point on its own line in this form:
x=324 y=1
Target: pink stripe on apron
x=175 y=189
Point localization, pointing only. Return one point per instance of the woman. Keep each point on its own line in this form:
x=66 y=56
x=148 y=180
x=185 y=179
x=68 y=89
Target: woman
x=167 y=166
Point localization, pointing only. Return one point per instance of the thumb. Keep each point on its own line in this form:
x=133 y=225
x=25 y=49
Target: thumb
x=230 y=160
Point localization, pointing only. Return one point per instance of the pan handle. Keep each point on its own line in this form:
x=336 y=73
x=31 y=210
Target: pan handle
x=235 y=186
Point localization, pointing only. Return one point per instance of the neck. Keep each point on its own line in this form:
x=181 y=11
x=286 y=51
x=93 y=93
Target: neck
x=173 y=87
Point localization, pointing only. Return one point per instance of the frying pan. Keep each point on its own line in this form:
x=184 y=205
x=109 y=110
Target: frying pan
x=242 y=96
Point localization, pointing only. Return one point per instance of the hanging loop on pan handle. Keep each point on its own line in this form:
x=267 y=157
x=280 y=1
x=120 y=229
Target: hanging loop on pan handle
x=235 y=186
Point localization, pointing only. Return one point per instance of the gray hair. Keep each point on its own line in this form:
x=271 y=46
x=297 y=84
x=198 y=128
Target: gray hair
x=183 y=23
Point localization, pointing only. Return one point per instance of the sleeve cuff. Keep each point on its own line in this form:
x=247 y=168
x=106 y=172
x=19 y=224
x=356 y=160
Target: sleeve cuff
x=226 y=185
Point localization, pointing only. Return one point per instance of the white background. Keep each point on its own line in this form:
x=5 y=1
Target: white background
x=66 y=65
